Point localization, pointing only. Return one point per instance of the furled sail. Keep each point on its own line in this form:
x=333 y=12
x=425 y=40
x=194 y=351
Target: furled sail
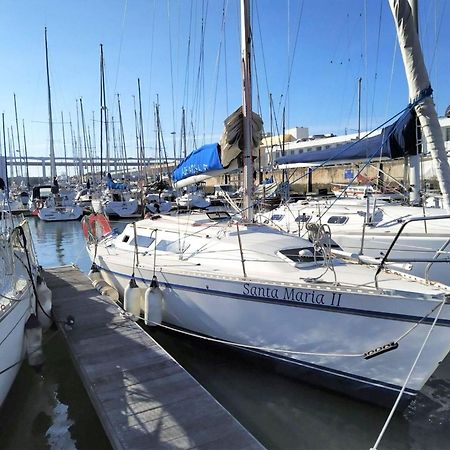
x=418 y=84
x=217 y=159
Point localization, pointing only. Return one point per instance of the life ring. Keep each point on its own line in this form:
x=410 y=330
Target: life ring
x=96 y=226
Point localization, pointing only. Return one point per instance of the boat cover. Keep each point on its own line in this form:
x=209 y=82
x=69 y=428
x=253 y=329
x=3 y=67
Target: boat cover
x=394 y=141
x=201 y=160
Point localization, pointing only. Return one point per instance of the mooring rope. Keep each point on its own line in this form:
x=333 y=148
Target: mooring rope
x=394 y=407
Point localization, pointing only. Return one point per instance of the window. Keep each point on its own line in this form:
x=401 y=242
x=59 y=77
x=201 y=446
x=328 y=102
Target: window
x=276 y=217
x=125 y=238
x=302 y=218
x=338 y=220
x=142 y=241
x=164 y=244
x=447 y=134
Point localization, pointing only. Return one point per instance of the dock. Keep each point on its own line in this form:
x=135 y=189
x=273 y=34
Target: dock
x=143 y=397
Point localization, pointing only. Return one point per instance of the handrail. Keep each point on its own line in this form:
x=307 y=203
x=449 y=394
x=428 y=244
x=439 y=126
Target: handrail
x=436 y=256
x=413 y=219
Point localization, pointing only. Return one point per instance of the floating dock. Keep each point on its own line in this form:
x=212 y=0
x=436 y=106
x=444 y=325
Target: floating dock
x=142 y=396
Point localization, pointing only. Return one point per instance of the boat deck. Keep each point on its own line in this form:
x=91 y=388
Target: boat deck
x=142 y=396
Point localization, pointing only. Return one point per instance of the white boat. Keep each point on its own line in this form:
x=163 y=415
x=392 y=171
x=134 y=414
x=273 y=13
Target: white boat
x=116 y=202
x=18 y=270
x=270 y=296
x=59 y=208
x=370 y=226
x=350 y=327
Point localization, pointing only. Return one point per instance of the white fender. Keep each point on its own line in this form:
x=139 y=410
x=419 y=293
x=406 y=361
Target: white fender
x=153 y=303
x=132 y=299
x=44 y=308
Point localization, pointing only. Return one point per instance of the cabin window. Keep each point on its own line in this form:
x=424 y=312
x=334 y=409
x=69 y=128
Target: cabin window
x=164 y=244
x=302 y=218
x=142 y=241
x=447 y=134
x=337 y=220
x=125 y=238
x=276 y=217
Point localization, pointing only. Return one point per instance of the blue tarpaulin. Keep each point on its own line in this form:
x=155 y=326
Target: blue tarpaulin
x=395 y=141
x=201 y=160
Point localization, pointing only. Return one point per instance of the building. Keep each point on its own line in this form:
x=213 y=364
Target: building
x=296 y=142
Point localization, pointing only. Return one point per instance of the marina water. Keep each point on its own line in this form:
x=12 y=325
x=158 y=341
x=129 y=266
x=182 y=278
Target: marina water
x=51 y=409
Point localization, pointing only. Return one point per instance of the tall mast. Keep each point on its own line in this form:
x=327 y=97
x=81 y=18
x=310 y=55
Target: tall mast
x=5 y=156
x=414 y=160
x=26 y=153
x=50 y=120
x=247 y=109
x=141 y=129
x=419 y=83
x=122 y=138
x=64 y=145
x=18 y=137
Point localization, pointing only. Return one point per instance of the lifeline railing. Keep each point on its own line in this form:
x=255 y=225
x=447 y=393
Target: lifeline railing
x=424 y=260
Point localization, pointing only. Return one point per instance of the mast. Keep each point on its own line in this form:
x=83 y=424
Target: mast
x=6 y=158
x=18 y=137
x=50 y=121
x=141 y=129
x=64 y=145
x=122 y=139
x=414 y=160
x=26 y=153
x=418 y=83
x=359 y=107
x=247 y=110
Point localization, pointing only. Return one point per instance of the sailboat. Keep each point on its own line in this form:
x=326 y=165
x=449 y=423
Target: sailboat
x=335 y=323
x=371 y=226
x=20 y=316
x=57 y=205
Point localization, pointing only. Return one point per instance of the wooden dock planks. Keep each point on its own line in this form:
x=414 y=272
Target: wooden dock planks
x=143 y=397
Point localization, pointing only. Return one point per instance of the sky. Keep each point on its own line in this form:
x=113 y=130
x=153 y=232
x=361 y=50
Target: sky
x=308 y=56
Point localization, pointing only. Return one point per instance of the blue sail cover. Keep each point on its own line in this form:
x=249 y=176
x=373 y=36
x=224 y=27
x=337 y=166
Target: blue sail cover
x=394 y=141
x=202 y=160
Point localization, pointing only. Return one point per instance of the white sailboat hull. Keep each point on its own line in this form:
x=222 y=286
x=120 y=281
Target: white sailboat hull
x=116 y=208
x=317 y=323
x=12 y=337
x=58 y=214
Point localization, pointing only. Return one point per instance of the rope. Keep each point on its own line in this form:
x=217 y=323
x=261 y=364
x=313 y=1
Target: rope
x=388 y=420
x=255 y=347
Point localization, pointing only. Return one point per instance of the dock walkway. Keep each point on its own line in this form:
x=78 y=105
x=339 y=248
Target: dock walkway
x=142 y=396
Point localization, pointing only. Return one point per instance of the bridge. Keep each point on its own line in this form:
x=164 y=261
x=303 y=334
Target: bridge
x=87 y=166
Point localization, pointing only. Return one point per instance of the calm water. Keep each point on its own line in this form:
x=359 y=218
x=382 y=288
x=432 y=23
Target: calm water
x=52 y=410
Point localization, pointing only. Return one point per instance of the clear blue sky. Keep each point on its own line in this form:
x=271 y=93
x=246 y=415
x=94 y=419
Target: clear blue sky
x=325 y=45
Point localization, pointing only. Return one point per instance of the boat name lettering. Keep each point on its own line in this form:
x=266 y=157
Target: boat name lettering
x=293 y=295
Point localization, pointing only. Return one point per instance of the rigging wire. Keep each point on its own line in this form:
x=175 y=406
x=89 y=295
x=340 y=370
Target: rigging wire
x=125 y=8
x=377 y=54
x=291 y=63
x=388 y=96
x=174 y=125
x=219 y=53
